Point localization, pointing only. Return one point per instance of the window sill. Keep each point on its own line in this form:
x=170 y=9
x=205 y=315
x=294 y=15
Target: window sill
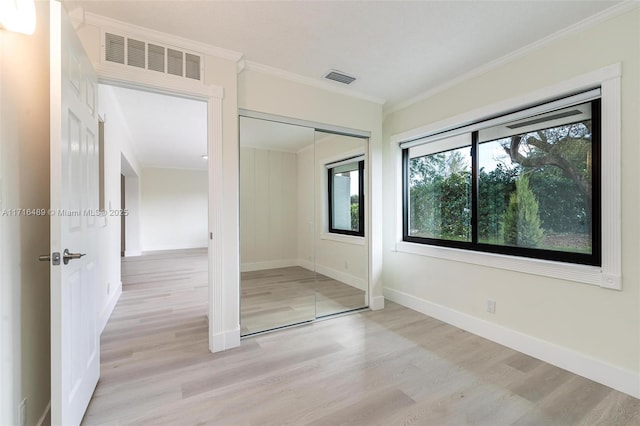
x=566 y=271
x=347 y=239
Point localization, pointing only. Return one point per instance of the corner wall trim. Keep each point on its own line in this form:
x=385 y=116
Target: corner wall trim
x=225 y=340
x=609 y=375
x=377 y=303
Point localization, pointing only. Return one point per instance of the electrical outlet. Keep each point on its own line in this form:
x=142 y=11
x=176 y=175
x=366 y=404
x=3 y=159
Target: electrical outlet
x=491 y=306
x=108 y=289
x=22 y=413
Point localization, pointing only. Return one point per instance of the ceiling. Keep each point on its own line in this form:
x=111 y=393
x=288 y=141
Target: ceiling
x=166 y=131
x=397 y=49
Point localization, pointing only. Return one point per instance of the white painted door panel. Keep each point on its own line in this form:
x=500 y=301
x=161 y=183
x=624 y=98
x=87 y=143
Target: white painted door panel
x=75 y=344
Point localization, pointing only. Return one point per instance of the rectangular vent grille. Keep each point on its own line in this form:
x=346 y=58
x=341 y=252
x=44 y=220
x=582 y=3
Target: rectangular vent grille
x=150 y=56
x=174 y=62
x=193 y=66
x=155 y=58
x=340 y=77
x=114 y=48
x=135 y=53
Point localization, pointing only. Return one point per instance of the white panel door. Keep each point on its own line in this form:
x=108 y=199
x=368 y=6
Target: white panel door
x=75 y=344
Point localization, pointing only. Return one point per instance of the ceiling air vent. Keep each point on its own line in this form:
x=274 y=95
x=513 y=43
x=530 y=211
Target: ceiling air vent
x=152 y=56
x=339 y=76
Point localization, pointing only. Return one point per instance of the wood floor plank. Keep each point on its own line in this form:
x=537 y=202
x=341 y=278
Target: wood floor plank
x=389 y=367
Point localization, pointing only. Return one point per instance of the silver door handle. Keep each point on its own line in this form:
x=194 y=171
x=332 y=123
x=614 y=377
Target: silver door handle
x=67 y=256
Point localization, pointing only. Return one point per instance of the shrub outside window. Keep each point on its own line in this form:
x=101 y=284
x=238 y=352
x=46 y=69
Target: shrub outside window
x=346 y=196
x=528 y=186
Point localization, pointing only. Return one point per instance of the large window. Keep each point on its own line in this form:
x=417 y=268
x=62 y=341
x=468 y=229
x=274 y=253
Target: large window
x=346 y=196
x=525 y=184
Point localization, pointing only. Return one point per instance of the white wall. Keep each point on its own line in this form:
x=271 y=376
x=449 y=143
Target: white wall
x=117 y=149
x=173 y=209
x=597 y=329
x=268 y=209
x=24 y=183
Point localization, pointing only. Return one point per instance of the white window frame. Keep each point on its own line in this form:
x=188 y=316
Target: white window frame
x=609 y=275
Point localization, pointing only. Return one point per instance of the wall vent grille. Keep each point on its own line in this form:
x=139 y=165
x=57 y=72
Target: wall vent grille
x=151 y=56
x=135 y=53
x=114 y=48
x=339 y=76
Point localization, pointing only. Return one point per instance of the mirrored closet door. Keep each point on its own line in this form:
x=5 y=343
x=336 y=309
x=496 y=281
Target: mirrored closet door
x=303 y=242
x=341 y=262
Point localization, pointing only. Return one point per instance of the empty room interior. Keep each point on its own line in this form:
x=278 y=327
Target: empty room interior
x=323 y=213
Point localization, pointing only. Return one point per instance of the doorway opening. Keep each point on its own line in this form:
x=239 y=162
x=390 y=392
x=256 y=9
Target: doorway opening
x=157 y=181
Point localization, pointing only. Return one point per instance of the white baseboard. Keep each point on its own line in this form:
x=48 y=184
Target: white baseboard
x=44 y=415
x=166 y=247
x=225 y=340
x=376 y=303
x=343 y=277
x=306 y=264
x=111 y=304
x=268 y=264
x=132 y=253
x=609 y=375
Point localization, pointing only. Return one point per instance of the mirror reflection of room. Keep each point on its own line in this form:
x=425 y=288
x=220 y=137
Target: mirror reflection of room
x=341 y=241
x=303 y=246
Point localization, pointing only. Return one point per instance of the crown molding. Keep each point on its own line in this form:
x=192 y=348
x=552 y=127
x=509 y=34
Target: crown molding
x=618 y=9
x=130 y=29
x=309 y=81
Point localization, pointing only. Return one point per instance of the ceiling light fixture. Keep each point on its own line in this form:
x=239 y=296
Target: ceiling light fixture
x=18 y=16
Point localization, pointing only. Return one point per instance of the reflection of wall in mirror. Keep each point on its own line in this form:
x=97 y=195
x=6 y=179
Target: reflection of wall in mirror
x=284 y=212
x=344 y=258
x=268 y=209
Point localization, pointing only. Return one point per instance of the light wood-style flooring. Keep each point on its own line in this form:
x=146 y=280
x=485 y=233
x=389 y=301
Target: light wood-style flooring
x=389 y=367
x=277 y=297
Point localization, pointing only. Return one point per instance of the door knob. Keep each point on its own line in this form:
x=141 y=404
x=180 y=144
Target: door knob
x=67 y=256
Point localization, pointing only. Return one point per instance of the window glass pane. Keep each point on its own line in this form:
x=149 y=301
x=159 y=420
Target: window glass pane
x=535 y=182
x=345 y=202
x=440 y=193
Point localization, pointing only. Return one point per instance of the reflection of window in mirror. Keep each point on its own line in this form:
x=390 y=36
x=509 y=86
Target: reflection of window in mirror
x=346 y=196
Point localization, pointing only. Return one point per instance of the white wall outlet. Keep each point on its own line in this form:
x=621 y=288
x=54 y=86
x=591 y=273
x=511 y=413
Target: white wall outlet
x=108 y=288
x=22 y=413
x=491 y=306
